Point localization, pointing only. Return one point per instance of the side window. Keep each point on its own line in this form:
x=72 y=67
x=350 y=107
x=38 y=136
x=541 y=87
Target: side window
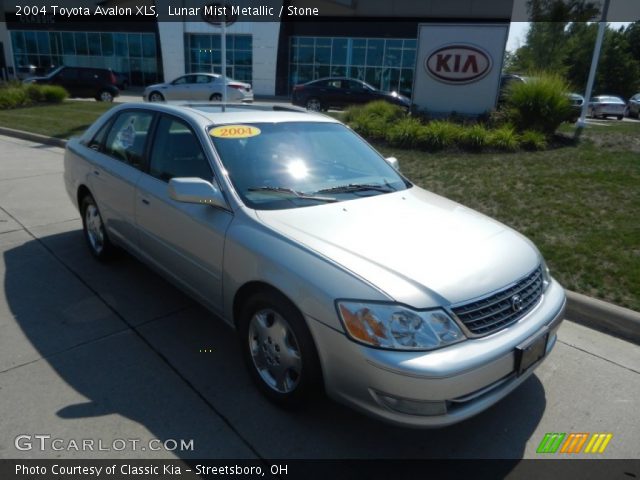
x=97 y=142
x=127 y=137
x=177 y=152
x=180 y=81
x=68 y=74
x=203 y=79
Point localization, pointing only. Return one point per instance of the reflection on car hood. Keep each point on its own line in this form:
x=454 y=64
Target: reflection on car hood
x=412 y=243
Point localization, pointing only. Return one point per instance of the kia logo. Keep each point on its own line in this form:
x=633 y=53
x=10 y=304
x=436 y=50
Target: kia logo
x=458 y=63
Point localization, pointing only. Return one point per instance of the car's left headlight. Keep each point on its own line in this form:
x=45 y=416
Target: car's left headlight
x=397 y=327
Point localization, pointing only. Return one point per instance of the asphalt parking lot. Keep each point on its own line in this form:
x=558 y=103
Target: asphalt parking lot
x=105 y=352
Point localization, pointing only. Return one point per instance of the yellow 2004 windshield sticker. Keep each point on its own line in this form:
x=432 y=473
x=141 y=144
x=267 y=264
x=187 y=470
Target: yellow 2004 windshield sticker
x=234 y=131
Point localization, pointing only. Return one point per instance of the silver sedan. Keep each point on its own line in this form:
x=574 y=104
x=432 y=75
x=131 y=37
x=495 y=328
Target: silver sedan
x=337 y=272
x=199 y=87
x=607 y=106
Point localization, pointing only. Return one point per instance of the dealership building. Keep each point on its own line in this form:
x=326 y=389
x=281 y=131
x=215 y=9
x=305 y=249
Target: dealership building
x=376 y=41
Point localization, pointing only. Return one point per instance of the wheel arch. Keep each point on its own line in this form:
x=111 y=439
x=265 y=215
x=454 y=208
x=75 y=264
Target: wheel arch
x=251 y=288
x=83 y=191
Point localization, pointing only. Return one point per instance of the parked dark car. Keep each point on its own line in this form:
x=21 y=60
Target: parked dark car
x=82 y=82
x=633 y=106
x=326 y=93
x=122 y=80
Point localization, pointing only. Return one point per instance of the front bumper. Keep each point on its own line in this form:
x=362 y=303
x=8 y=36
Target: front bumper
x=452 y=383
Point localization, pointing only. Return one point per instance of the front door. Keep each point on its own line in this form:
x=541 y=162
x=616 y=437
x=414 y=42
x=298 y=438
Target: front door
x=186 y=241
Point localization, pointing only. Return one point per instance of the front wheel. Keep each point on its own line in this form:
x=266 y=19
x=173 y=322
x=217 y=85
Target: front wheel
x=314 y=104
x=94 y=230
x=105 y=96
x=279 y=350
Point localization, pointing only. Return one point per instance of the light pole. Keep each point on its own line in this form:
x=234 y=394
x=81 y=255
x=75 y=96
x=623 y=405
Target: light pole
x=602 y=26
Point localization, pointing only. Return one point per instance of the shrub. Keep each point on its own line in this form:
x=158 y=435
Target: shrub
x=440 y=134
x=533 y=140
x=540 y=104
x=373 y=120
x=13 y=97
x=474 y=137
x=53 y=93
x=405 y=133
x=34 y=93
x=503 y=138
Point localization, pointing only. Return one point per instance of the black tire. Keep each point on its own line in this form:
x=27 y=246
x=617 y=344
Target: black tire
x=105 y=96
x=314 y=104
x=156 y=97
x=620 y=117
x=95 y=234
x=216 y=97
x=302 y=382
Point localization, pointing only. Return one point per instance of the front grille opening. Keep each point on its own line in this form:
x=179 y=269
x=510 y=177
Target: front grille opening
x=503 y=308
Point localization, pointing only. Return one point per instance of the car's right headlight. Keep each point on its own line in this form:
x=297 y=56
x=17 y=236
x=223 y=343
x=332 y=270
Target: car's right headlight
x=397 y=327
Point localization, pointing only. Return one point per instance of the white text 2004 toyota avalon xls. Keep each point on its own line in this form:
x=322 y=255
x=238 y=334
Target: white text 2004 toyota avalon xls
x=335 y=270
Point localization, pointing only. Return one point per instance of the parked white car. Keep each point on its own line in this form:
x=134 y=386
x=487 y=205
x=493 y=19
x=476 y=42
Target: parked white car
x=199 y=87
x=607 y=106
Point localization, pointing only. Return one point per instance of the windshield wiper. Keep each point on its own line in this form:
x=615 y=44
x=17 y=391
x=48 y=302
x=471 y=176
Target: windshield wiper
x=359 y=187
x=290 y=191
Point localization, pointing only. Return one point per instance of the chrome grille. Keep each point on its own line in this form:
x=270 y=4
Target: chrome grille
x=497 y=311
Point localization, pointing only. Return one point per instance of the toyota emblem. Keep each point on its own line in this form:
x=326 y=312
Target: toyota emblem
x=516 y=303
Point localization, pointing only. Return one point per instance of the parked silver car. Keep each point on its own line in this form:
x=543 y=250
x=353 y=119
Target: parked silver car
x=607 y=106
x=336 y=271
x=633 y=107
x=199 y=87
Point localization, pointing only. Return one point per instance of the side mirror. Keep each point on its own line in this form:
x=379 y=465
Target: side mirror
x=393 y=161
x=195 y=190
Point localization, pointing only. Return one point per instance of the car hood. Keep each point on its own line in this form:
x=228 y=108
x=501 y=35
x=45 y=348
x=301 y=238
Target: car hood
x=415 y=246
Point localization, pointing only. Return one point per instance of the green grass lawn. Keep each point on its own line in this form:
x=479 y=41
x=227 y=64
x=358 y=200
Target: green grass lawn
x=65 y=120
x=579 y=204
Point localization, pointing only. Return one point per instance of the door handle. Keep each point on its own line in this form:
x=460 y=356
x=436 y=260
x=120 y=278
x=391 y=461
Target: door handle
x=96 y=172
x=145 y=201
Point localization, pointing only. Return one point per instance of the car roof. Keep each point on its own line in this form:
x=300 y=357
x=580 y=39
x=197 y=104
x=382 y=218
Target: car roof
x=207 y=114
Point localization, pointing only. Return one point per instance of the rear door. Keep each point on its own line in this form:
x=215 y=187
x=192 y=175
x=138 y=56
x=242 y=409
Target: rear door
x=185 y=241
x=116 y=170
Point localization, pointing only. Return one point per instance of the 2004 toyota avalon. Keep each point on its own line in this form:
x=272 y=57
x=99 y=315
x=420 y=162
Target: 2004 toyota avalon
x=337 y=272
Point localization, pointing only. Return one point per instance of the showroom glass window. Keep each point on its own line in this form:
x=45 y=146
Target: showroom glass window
x=387 y=64
x=204 y=54
x=134 y=54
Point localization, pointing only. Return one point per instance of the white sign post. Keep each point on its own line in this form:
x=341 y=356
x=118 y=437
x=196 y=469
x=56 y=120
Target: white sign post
x=458 y=67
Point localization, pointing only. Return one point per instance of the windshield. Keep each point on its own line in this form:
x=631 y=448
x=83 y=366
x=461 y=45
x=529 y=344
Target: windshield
x=300 y=164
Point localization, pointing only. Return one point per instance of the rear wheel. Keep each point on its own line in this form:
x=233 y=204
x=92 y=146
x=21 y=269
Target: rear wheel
x=279 y=350
x=94 y=230
x=216 y=97
x=105 y=96
x=156 y=97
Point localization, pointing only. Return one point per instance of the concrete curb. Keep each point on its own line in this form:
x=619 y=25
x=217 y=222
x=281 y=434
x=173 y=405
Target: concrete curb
x=597 y=314
x=33 y=137
x=603 y=316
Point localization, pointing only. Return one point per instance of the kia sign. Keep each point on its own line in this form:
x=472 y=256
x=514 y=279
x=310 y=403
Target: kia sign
x=458 y=64
x=458 y=67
